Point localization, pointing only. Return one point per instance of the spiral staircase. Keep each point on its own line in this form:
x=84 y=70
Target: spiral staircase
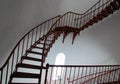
x=32 y=49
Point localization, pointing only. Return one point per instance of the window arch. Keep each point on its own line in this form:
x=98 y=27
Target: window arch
x=59 y=60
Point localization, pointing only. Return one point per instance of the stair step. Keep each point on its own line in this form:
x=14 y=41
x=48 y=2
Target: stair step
x=37 y=47
x=40 y=41
x=31 y=58
x=24 y=75
x=29 y=51
x=45 y=44
x=27 y=66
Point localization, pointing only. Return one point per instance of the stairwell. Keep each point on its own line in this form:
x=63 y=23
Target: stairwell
x=26 y=63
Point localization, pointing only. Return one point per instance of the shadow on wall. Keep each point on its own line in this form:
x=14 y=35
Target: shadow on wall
x=99 y=44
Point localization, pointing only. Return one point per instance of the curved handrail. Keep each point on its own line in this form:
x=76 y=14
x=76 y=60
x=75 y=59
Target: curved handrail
x=97 y=73
x=24 y=37
x=55 y=23
x=100 y=75
x=71 y=17
x=68 y=19
x=24 y=44
x=71 y=72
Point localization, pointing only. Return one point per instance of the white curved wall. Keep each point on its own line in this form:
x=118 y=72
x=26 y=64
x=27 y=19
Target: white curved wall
x=97 y=45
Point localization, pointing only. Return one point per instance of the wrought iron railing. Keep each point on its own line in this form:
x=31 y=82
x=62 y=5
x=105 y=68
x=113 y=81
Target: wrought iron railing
x=82 y=74
x=45 y=29
x=22 y=46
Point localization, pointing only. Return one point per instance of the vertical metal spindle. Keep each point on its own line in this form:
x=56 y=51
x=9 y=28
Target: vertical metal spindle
x=23 y=46
x=72 y=18
x=63 y=21
x=96 y=71
x=90 y=71
x=102 y=5
x=1 y=76
x=82 y=74
x=46 y=74
x=109 y=75
x=48 y=27
x=51 y=75
x=85 y=73
x=65 y=75
x=61 y=75
x=87 y=16
x=56 y=74
x=91 y=16
x=99 y=6
x=52 y=22
x=119 y=75
x=65 y=24
x=44 y=28
x=70 y=72
x=17 y=53
x=78 y=77
x=84 y=19
x=74 y=74
x=36 y=35
x=81 y=16
x=6 y=80
x=27 y=42
x=94 y=10
x=39 y=32
x=98 y=80
x=32 y=38
x=103 y=75
x=114 y=73
x=12 y=62
x=69 y=19
x=76 y=21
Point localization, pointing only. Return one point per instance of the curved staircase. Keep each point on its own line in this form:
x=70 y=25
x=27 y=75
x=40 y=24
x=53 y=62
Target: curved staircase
x=32 y=49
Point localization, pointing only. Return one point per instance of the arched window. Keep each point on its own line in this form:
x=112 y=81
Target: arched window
x=60 y=60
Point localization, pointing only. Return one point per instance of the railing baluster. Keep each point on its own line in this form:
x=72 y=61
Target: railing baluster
x=36 y=34
x=109 y=75
x=69 y=19
x=82 y=74
x=12 y=62
x=32 y=38
x=23 y=47
x=56 y=75
x=46 y=73
x=44 y=28
x=1 y=76
x=51 y=75
x=74 y=74
x=78 y=74
x=40 y=31
x=17 y=53
x=65 y=75
x=70 y=72
x=61 y=75
x=6 y=80
x=27 y=42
